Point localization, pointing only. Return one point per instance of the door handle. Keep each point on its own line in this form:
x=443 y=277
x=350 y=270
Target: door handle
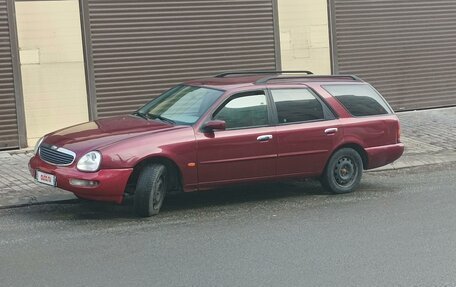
x=264 y=138
x=331 y=131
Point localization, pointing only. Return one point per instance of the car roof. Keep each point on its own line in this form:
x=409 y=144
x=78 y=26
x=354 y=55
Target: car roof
x=233 y=80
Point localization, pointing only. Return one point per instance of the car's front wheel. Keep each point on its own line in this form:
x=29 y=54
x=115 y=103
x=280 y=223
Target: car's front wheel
x=150 y=190
x=343 y=171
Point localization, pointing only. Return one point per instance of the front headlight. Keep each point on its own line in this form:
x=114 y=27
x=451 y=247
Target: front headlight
x=37 y=145
x=90 y=161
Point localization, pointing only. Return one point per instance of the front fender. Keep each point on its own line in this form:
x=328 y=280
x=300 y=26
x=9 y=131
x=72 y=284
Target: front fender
x=176 y=146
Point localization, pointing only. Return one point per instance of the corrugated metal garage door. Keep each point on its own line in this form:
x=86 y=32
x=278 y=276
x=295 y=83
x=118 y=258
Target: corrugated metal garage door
x=140 y=48
x=9 y=137
x=406 y=48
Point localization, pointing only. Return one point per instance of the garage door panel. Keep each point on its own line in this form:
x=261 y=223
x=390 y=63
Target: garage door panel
x=141 y=48
x=9 y=136
x=405 y=48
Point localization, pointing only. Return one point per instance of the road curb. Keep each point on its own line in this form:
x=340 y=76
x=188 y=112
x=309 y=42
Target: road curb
x=40 y=200
x=417 y=160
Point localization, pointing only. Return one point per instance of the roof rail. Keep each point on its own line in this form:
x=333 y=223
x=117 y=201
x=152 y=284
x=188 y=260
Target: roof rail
x=270 y=78
x=222 y=75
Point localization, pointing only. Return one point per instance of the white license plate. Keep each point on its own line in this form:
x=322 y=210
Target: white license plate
x=45 y=178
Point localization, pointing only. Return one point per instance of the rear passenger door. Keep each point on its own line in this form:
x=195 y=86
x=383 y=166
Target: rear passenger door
x=306 y=131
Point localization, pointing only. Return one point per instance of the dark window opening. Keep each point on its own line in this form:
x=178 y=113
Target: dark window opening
x=359 y=100
x=297 y=105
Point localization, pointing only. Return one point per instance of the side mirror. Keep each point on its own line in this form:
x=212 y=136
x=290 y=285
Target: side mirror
x=211 y=126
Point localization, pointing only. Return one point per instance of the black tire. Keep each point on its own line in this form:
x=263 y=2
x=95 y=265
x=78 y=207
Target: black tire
x=150 y=190
x=343 y=172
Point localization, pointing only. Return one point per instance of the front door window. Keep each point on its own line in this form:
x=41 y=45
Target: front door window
x=244 y=112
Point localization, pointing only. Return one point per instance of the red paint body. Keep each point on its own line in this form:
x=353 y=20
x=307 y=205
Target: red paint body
x=222 y=157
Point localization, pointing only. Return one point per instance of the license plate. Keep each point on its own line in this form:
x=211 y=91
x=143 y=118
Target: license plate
x=45 y=178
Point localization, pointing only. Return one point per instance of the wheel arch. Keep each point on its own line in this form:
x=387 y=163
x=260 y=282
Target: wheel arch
x=173 y=170
x=358 y=148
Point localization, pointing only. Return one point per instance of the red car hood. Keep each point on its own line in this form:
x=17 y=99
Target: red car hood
x=99 y=133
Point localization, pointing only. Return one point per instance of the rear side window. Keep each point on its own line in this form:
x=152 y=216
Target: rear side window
x=359 y=100
x=297 y=105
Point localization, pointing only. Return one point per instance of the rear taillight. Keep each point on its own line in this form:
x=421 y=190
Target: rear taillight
x=398 y=132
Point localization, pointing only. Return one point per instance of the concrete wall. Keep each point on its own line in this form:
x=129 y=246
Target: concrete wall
x=304 y=35
x=52 y=65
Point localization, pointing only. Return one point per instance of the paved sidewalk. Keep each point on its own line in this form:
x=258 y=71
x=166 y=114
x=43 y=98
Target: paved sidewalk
x=429 y=136
x=17 y=186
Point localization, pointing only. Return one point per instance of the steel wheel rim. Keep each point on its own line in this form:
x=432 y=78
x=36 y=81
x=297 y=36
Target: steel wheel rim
x=157 y=196
x=345 y=171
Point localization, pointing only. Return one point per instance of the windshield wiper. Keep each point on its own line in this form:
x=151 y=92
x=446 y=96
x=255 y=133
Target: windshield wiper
x=163 y=119
x=142 y=115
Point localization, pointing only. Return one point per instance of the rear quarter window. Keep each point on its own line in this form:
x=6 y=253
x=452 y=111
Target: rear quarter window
x=359 y=100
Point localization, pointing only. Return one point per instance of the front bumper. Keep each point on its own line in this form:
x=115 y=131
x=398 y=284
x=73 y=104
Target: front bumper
x=111 y=182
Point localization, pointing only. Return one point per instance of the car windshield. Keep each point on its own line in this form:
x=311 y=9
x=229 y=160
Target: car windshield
x=181 y=105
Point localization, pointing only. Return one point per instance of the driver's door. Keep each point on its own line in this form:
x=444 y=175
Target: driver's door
x=246 y=150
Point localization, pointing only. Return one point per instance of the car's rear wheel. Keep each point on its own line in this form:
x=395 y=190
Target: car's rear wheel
x=150 y=190
x=343 y=171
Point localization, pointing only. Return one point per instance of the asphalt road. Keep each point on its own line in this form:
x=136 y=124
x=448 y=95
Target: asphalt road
x=398 y=229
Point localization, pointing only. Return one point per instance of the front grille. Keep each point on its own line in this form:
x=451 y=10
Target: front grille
x=57 y=156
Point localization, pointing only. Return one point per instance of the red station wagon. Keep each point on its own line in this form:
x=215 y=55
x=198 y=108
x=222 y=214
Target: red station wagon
x=233 y=128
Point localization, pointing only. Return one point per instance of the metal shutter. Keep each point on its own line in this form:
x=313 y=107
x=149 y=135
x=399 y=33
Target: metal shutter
x=140 y=48
x=405 y=48
x=9 y=136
